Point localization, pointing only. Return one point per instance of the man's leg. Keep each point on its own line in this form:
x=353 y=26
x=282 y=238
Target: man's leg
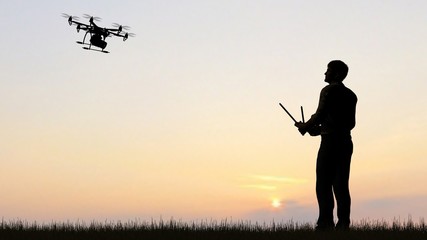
x=324 y=181
x=341 y=182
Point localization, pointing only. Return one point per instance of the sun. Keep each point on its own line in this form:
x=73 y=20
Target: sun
x=276 y=203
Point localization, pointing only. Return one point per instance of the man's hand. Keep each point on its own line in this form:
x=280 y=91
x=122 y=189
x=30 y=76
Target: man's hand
x=301 y=127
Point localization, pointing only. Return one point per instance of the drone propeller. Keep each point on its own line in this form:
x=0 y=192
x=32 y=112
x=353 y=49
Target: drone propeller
x=68 y=16
x=125 y=37
x=92 y=17
x=121 y=27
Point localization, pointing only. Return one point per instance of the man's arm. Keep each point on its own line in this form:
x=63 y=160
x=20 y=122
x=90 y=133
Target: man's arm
x=312 y=126
x=314 y=131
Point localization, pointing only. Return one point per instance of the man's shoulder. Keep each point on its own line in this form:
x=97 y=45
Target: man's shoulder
x=327 y=88
x=330 y=88
x=338 y=89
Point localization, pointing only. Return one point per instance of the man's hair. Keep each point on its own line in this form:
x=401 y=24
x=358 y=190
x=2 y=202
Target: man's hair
x=339 y=67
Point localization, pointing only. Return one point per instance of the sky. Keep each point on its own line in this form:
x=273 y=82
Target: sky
x=183 y=120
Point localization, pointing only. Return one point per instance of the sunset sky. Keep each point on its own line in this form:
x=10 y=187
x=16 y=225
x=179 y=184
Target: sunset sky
x=184 y=121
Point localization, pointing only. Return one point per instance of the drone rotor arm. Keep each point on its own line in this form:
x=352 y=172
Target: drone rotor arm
x=112 y=30
x=116 y=34
x=79 y=23
x=124 y=27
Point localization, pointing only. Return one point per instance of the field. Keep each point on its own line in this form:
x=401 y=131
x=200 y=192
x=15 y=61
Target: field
x=206 y=230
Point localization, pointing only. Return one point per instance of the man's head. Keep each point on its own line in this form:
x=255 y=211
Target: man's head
x=337 y=71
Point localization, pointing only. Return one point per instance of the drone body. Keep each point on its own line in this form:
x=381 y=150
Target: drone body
x=97 y=34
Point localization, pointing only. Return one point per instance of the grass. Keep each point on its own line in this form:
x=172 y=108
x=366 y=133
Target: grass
x=206 y=230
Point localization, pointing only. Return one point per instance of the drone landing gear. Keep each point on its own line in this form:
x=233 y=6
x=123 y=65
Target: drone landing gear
x=97 y=50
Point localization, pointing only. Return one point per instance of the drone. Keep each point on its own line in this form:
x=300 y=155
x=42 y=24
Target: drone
x=97 y=34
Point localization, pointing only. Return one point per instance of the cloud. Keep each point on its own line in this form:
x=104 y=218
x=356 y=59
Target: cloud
x=278 y=179
x=386 y=209
x=269 y=183
x=390 y=208
x=259 y=186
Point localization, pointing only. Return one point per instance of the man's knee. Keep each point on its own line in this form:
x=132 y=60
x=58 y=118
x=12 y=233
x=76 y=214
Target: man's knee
x=342 y=191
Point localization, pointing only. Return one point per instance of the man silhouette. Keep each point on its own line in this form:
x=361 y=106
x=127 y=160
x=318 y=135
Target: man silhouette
x=334 y=119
